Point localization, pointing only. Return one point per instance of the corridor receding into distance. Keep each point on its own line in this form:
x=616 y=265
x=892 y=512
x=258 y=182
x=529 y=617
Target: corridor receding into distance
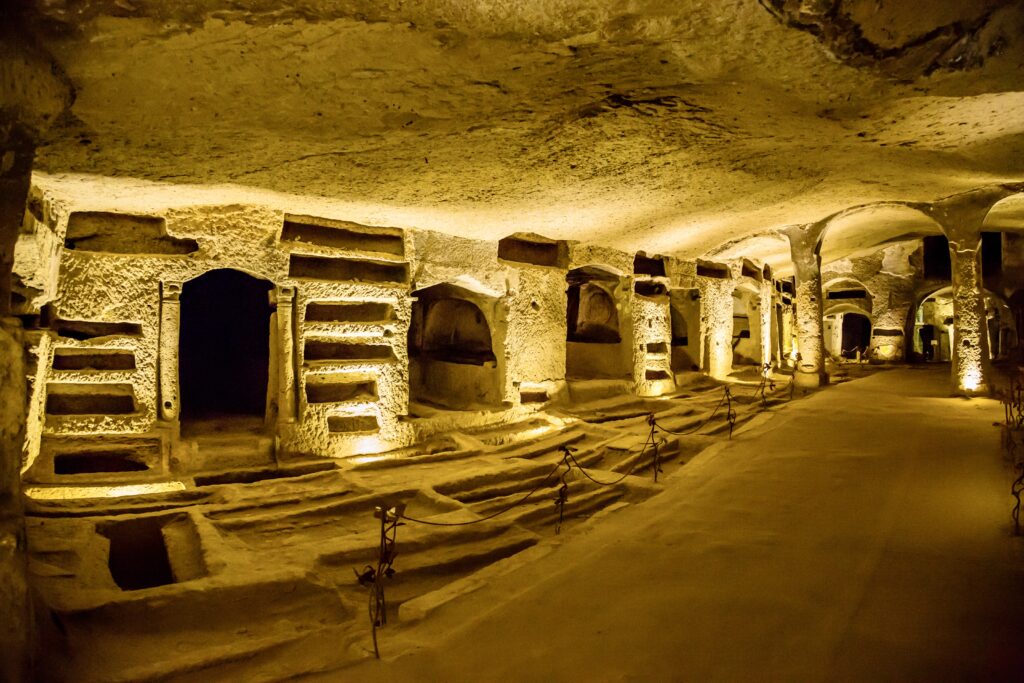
x=454 y=340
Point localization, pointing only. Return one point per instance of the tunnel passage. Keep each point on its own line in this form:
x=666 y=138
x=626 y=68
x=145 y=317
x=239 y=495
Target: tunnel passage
x=684 y=309
x=856 y=335
x=594 y=346
x=451 y=359
x=224 y=345
x=746 y=328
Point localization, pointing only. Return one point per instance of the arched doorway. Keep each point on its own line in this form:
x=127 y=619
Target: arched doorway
x=594 y=346
x=224 y=347
x=856 y=336
x=684 y=309
x=451 y=358
x=933 y=326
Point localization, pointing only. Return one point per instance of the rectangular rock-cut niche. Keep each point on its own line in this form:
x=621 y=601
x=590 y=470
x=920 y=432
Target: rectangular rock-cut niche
x=538 y=251
x=714 y=270
x=93 y=359
x=343 y=235
x=316 y=350
x=650 y=289
x=657 y=347
x=533 y=396
x=347 y=270
x=146 y=552
x=340 y=391
x=89 y=399
x=847 y=294
x=653 y=375
x=648 y=265
x=118 y=233
x=99 y=461
x=342 y=424
x=882 y=332
x=88 y=329
x=349 y=312
x=748 y=269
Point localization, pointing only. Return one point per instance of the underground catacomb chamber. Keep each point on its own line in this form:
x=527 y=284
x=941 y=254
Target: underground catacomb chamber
x=594 y=338
x=451 y=357
x=224 y=345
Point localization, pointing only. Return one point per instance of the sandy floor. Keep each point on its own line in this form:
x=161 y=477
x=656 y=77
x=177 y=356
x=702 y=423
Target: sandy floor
x=862 y=534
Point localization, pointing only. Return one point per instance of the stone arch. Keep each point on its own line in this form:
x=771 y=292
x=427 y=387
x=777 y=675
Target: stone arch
x=224 y=345
x=596 y=343
x=452 y=362
x=868 y=225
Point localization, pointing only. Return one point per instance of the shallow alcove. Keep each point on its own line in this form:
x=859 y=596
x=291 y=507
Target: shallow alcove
x=451 y=359
x=594 y=340
x=224 y=346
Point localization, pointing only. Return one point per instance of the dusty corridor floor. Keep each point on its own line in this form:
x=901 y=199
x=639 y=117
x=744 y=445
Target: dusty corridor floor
x=862 y=534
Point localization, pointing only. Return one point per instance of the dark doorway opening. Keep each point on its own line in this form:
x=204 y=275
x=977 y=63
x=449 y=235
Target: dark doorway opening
x=856 y=335
x=224 y=346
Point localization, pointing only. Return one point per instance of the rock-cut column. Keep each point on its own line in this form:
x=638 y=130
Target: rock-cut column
x=804 y=241
x=284 y=299
x=170 y=332
x=961 y=218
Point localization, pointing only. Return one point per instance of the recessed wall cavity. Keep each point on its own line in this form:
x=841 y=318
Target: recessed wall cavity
x=115 y=233
x=93 y=359
x=533 y=249
x=93 y=329
x=648 y=265
x=349 y=312
x=595 y=347
x=451 y=356
x=337 y=269
x=343 y=235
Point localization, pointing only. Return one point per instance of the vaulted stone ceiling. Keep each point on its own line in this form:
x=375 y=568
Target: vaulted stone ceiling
x=676 y=125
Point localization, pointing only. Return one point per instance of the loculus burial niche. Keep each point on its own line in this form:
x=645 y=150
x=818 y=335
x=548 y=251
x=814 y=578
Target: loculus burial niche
x=595 y=347
x=451 y=358
x=224 y=343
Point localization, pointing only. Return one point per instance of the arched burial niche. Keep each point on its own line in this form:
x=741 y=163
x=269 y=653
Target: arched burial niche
x=684 y=307
x=746 y=326
x=855 y=338
x=595 y=348
x=451 y=357
x=933 y=326
x=224 y=347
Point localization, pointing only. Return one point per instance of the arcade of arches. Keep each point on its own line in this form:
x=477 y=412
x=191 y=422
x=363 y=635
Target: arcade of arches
x=265 y=271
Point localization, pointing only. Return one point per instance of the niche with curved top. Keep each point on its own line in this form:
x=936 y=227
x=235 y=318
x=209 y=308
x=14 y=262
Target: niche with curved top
x=451 y=357
x=594 y=344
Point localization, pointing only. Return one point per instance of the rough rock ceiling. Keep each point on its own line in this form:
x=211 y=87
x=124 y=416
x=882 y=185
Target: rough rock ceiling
x=675 y=125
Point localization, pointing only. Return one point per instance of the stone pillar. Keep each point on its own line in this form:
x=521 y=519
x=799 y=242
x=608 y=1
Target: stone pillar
x=34 y=93
x=167 y=363
x=16 y=632
x=804 y=243
x=716 y=326
x=284 y=299
x=961 y=217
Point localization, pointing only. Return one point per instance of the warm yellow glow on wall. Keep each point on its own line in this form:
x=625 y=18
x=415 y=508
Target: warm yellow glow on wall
x=71 y=492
